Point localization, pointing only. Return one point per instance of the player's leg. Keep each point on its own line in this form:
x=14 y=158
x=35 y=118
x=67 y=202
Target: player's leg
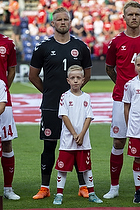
x=118 y=132
x=64 y=164
x=134 y=151
x=61 y=179
x=83 y=161
x=49 y=132
x=83 y=191
x=136 y=175
x=9 y=132
x=47 y=163
x=0 y=148
x=90 y=186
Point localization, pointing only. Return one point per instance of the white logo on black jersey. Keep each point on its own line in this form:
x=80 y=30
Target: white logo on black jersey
x=53 y=53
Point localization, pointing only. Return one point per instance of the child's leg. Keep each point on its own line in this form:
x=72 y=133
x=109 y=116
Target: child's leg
x=89 y=180
x=136 y=175
x=61 y=179
x=90 y=185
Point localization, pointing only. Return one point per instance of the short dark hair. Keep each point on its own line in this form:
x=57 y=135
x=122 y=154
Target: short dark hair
x=131 y=4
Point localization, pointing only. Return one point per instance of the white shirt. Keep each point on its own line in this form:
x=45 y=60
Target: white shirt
x=3 y=92
x=132 y=95
x=77 y=108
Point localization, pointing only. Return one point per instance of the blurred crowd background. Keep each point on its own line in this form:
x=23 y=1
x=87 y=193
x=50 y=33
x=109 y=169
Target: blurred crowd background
x=95 y=22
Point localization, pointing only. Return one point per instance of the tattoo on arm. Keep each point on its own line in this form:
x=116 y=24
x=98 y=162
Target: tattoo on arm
x=111 y=73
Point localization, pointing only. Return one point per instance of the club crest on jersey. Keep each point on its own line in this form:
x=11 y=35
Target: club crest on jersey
x=85 y=103
x=74 y=53
x=47 y=132
x=2 y=50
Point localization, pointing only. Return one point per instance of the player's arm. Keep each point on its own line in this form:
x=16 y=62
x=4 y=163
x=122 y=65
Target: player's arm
x=2 y=107
x=11 y=75
x=126 y=111
x=111 y=73
x=69 y=126
x=87 y=74
x=35 y=78
x=80 y=137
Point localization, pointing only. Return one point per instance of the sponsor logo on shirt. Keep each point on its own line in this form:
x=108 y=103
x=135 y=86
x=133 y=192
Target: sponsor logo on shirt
x=138 y=91
x=53 y=52
x=70 y=103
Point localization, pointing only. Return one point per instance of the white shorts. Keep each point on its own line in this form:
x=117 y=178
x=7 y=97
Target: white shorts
x=8 y=127
x=118 y=125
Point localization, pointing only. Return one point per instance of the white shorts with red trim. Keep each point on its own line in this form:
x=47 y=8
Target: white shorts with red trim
x=67 y=159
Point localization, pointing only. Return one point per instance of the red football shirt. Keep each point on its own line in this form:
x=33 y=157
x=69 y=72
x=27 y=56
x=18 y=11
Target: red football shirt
x=7 y=59
x=121 y=53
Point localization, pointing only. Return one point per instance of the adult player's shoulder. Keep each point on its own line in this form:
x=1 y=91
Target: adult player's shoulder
x=43 y=43
x=74 y=38
x=6 y=39
x=116 y=38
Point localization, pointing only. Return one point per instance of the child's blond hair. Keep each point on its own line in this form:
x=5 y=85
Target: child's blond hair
x=75 y=68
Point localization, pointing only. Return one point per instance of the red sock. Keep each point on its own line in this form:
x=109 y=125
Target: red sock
x=60 y=190
x=116 y=162
x=8 y=170
x=90 y=189
x=136 y=175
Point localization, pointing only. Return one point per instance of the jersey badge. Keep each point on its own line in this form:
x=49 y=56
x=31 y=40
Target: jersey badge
x=2 y=51
x=85 y=103
x=74 y=53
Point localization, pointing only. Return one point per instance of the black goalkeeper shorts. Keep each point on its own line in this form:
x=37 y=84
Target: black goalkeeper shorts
x=50 y=127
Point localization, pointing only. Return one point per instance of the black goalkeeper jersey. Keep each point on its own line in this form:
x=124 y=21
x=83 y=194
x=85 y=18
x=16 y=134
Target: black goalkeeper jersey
x=56 y=58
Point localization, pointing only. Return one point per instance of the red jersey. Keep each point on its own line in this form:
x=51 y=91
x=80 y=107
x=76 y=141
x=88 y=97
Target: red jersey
x=121 y=53
x=7 y=59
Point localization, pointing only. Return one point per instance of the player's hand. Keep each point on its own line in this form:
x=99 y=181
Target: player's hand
x=79 y=140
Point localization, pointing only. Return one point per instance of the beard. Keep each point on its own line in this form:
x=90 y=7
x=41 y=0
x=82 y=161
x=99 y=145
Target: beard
x=62 y=31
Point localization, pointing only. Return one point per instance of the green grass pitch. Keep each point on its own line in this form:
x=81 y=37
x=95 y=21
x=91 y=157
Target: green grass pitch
x=27 y=178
